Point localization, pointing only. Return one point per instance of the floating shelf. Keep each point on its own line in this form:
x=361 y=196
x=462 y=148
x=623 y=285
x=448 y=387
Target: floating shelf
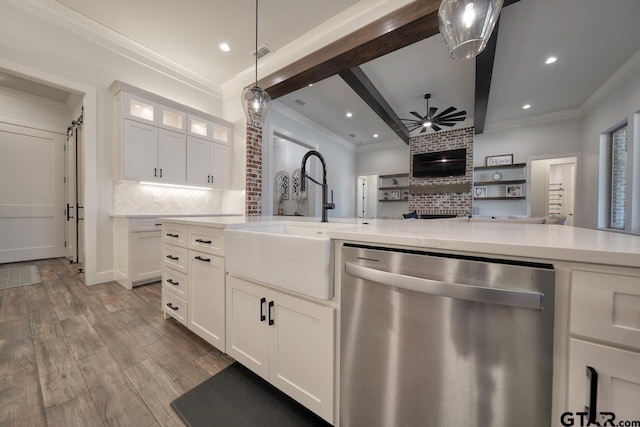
x=394 y=200
x=514 y=181
x=395 y=187
x=513 y=166
x=499 y=198
x=395 y=175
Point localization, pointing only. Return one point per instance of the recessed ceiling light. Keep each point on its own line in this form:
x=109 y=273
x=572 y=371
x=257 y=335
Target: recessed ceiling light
x=224 y=47
x=526 y=106
x=310 y=84
x=551 y=60
x=349 y=114
x=375 y=135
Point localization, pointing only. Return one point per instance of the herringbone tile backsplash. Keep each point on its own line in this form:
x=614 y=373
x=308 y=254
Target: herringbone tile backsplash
x=130 y=198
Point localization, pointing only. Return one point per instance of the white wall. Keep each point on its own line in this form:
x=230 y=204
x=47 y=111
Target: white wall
x=620 y=103
x=42 y=40
x=339 y=155
x=384 y=158
x=26 y=110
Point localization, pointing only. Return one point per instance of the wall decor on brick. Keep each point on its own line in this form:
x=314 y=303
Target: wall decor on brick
x=253 y=189
x=442 y=203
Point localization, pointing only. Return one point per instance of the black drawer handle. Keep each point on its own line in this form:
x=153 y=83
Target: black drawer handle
x=173 y=283
x=593 y=395
x=271 y=321
x=173 y=235
x=262 y=316
x=206 y=242
x=158 y=225
x=199 y=258
x=172 y=307
x=175 y=258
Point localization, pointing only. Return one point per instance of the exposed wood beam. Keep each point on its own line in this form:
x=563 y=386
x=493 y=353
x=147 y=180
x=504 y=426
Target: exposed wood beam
x=403 y=27
x=484 y=73
x=360 y=83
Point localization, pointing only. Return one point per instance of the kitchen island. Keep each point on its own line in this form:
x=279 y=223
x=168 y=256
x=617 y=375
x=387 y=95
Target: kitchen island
x=597 y=315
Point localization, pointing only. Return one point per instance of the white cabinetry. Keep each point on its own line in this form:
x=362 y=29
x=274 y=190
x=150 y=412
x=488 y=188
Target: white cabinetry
x=605 y=340
x=151 y=141
x=193 y=290
x=137 y=251
x=287 y=340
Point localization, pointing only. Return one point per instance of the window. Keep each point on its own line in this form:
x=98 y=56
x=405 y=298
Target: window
x=618 y=178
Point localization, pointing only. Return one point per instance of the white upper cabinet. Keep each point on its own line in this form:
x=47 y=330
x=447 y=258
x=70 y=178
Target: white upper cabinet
x=158 y=140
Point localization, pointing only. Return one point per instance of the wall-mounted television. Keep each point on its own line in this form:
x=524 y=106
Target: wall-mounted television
x=440 y=163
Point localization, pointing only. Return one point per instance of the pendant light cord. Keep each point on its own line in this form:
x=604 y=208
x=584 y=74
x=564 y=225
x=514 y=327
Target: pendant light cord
x=256 y=52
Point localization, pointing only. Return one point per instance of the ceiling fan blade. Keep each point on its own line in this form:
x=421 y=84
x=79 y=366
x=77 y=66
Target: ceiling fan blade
x=445 y=112
x=417 y=115
x=431 y=111
x=424 y=129
x=450 y=124
x=411 y=122
x=458 y=114
x=414 y=128
x=435 y=127
x=449 y=119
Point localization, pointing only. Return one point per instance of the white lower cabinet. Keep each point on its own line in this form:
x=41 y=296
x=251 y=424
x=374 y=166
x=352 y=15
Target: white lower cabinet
x=618 y=381
x=206 y=297
x=287 y=340
x=137 y=251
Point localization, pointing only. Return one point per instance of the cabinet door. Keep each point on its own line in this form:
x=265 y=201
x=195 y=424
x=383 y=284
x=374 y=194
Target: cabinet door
x=198 y=170
x=140 y=154
x=301 y=352
x=206 y=297
x=146 y=256
x=172 y=157
x=247 y=332
x=220 y=162
x=618 y=379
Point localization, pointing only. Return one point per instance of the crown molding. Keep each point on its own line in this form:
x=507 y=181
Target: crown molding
x=291 y=113
x=78 y=24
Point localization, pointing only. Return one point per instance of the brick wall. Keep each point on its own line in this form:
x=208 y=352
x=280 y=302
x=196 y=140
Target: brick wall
x=253 y=189
x=618 y=178
x=442 y=203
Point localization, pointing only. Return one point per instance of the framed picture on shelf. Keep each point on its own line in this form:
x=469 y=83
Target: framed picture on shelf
x=499 y=160
x=395 y=194
x=514 y=190
x=480 y=191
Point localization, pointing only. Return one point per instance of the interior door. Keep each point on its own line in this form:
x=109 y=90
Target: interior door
x=32 y=194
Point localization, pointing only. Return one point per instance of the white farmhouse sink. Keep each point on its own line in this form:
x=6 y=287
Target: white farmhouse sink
x=289 y=255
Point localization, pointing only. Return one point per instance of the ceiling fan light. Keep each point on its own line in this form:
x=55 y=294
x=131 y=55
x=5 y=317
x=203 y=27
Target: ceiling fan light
x=256 y=103
x=427 y=124
x=466 y=25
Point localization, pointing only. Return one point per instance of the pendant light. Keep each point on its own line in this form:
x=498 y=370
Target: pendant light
x=466 y=25
x=255 y=100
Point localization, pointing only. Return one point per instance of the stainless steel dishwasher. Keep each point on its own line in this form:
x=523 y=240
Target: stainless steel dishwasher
x=434 y=340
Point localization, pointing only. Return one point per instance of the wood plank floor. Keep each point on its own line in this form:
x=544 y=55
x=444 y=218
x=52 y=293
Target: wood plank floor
x=76 y=355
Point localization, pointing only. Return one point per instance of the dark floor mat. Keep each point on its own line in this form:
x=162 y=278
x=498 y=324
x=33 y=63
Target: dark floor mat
x=238 y=397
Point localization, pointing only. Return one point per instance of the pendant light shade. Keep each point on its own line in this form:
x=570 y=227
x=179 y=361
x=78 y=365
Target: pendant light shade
x=466 y=25
x=255 y=100
x=256 y=103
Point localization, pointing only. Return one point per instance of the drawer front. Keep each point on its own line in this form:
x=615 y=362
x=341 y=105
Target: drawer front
x=174 y=306
x=175 y=257
x=145 y=224
x=175 y=234
x=606 y=307
x=208 y=240
x=175 y=282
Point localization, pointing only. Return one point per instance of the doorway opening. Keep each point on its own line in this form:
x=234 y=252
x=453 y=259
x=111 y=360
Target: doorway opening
x=366 y=196
x=553 y=187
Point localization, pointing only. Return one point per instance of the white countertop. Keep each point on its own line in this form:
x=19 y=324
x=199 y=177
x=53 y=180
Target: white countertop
x=540 y=241
x=161 y=215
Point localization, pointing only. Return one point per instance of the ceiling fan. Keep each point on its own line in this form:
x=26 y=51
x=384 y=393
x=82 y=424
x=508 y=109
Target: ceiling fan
x=432 y=120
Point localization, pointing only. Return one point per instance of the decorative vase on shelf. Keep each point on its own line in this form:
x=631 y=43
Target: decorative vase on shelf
x=385 y=196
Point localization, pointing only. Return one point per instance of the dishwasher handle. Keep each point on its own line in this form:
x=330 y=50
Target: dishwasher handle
x=512 y=298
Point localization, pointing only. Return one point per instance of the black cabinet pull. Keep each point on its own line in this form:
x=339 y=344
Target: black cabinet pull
x=271 y=321
x=593 y=395
x=172 y=307
x=175 y=258
x=155 y=172
x=69 y=207
x=158 y=225
x=207 y=242
x=160 y=172
x=208 y=178
x=199 y=258
x=262 y=316
x=172 y=282
x=173 y=235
